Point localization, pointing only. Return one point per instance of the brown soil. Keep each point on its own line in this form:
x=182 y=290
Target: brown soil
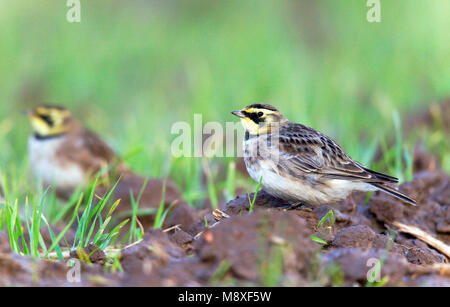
x=4 y=243
x=426 y=118
x=235 y=247
x=24 y=271
x=93 y=252
x=254 y=249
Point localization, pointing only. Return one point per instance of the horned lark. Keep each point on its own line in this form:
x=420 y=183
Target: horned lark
x=63 y=153
x=301 y=165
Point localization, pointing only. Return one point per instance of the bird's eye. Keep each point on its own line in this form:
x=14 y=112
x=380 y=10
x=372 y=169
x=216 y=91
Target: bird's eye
x=47 y=119
x=260 y=114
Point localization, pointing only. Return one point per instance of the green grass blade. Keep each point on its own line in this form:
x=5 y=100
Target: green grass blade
x=160 y=208
x=252 y=203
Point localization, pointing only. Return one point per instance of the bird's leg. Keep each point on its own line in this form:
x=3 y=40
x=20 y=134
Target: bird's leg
x=296 y=206
x=282 y=206
x=290 y=206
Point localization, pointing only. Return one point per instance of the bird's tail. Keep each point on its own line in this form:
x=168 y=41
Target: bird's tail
x=381 y=176
x=395 y=193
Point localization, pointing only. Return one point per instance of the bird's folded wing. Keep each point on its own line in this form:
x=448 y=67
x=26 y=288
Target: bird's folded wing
x=320 y=158
x=87 y=150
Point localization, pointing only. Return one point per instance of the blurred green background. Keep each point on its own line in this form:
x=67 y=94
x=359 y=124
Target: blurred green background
x=130 y=69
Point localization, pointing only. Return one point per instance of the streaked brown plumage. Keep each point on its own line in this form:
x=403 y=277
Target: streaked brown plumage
x=300 y=164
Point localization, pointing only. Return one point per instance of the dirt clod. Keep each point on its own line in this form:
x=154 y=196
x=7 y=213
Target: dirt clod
x=432 y=213
x=183 y=239
x=95 y=254
x=254 y=238
x=357 y=264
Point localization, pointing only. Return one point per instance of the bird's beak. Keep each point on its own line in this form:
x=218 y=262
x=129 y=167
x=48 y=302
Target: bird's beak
x=238 y=114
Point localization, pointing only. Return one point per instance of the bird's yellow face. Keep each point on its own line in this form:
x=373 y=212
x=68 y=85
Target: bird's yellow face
x=259 y=118
x=48 y=121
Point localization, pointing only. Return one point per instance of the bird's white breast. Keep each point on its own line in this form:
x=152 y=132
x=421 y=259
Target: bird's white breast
x=51 y=169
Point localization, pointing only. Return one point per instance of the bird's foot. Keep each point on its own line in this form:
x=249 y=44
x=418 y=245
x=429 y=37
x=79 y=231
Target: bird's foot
x=291 y=206
x=296 y=206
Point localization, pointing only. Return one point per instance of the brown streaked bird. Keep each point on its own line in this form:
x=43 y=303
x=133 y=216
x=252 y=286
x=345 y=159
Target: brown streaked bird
x=301 y=165
x=63 y=153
